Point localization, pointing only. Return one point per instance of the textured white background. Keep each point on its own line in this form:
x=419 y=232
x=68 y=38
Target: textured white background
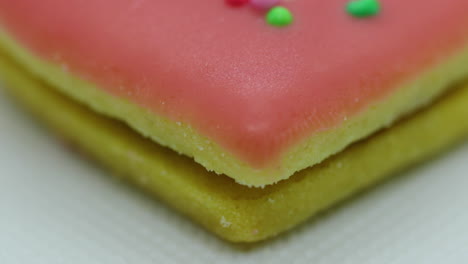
x=58 y=207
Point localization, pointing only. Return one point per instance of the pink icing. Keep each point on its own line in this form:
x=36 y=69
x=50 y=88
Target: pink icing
x=264 y=4
x=254 y=89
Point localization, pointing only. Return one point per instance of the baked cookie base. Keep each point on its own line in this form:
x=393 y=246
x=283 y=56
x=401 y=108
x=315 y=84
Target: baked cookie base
x=232 y=211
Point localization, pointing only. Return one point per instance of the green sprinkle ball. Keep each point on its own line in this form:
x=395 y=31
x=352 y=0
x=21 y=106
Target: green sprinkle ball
x=279 y=16
x=363 y=8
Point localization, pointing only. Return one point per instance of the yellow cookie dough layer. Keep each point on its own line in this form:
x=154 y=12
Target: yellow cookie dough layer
x=232 y=211
x=184 y=139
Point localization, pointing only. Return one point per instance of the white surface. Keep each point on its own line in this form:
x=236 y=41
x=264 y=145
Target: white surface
x=58 y=207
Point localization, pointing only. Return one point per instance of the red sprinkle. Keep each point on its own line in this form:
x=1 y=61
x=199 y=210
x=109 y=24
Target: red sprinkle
x=236 y=2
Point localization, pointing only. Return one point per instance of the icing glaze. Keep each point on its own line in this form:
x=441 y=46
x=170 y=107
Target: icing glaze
x=264 y=4
x=254 y=89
